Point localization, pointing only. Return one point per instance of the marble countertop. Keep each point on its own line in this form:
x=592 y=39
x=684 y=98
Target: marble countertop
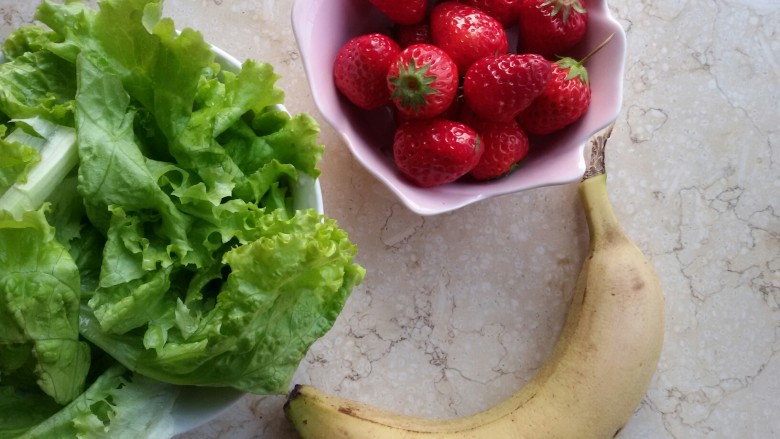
x=448 y=323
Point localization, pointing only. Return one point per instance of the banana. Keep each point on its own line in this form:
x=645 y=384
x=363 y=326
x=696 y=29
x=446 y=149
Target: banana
x=596 y=376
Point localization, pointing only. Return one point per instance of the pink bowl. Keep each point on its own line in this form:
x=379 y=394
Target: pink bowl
x=321 y=27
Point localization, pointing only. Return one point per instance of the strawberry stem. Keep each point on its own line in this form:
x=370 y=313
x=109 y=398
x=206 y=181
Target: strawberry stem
x=599 y=47
x=577 y=68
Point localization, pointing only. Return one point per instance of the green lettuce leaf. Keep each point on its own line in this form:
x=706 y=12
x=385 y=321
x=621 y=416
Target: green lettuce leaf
x=282 y=291
x=18 y=159
x=84 y=242
x=38 y=84
x=39 y=307
x=27 y=38
x=20 y=412
x=116 y=406
x=114 y=170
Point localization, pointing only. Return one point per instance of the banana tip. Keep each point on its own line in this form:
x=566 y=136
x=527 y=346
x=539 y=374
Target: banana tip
x=294 y=393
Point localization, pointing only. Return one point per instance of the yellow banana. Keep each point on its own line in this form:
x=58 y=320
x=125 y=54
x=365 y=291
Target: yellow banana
x=593 y=381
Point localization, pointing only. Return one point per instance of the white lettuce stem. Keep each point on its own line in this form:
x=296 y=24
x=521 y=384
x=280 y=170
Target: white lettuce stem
x=59 y=155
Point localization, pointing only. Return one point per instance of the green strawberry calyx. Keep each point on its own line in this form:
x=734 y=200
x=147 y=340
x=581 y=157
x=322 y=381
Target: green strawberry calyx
x=412 y=85
x=575 y=68
x=564 y=6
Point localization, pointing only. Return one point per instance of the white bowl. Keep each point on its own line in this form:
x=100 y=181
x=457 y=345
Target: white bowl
x=321 y=27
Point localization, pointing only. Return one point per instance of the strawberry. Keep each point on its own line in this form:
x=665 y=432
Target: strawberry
x=409 y=34
x=422 y=81
x=551 y=27
x=435 y=151
x=505 y=11
x=402 y=11
x=466 y=33
x=360 y=69
x=505 y=145
x=499 y=87
x=564 y=101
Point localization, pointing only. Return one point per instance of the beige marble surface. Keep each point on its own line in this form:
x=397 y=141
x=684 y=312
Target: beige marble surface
x=458 y=310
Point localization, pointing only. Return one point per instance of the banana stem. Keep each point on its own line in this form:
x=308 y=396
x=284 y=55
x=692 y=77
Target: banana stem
x=603 y=225
x=597 y=166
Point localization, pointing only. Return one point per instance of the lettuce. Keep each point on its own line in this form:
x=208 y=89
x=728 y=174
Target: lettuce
x=148 y=212
x=39 y=308
x=18 y=159
x=50 y=155
x=284 y=289
x=117 y=405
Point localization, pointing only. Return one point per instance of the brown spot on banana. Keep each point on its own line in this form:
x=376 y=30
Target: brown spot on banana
x=346 y=410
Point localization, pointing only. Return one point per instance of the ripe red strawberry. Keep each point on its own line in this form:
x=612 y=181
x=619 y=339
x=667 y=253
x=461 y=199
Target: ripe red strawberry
x=466 y=33
x=505 y=145
x=402 y=11
x=505 y=11
x=409 y=34
x=360 y=69
x=499 y=87
x=422 y=81
x=435 y=151
x=563 y=102
x=551 y=27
